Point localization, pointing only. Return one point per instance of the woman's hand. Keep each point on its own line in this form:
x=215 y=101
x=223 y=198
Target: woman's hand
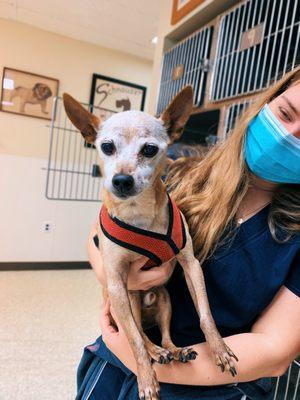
x=116 y=340
x=145 y=280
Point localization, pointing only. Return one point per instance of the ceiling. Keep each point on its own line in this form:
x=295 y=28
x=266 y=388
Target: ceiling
x=126 y=25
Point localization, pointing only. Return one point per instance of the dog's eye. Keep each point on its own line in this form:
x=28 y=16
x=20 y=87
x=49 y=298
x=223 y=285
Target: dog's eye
x=108 y=148
x=149 y=150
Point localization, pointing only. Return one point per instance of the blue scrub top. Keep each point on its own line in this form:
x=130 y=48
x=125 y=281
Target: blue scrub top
x=242 y=278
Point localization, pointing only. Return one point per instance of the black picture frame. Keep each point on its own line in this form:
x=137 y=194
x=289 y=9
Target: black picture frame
x=127 y=85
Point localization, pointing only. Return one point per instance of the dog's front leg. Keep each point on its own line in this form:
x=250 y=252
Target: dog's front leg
x=116 y=285
x=195 y=281
x=43 y=104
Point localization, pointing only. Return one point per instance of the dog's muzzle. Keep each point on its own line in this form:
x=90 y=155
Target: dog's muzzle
x=123 y=185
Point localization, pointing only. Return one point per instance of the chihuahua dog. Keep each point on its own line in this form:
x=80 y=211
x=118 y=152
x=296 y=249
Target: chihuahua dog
x=139 y=222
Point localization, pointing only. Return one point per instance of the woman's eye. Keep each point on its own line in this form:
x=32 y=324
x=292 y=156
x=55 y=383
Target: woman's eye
x=285 y=115
x=108 y=148
x=149 y=150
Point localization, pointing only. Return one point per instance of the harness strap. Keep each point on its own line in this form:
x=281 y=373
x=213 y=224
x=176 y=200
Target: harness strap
x=157 y=247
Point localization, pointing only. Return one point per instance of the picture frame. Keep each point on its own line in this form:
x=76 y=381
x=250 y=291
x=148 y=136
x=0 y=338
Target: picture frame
x=109 y=96
x=181 y=8
x=28 y=94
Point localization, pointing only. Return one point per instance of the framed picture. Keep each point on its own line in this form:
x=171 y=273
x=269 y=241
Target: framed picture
x=183 y=7
x=27 y=94
x=109 y=96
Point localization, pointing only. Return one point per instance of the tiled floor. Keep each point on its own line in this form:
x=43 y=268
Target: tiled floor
x=46 y=317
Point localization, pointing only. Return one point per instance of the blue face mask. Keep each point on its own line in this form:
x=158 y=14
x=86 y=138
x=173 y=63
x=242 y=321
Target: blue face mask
x=271 y=152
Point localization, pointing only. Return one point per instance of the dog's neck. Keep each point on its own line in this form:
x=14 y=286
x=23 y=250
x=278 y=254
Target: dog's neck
x=148 y=210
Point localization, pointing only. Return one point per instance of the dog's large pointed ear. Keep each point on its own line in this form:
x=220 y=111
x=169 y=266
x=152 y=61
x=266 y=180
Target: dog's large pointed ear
x=177 y=113
x=86 y=122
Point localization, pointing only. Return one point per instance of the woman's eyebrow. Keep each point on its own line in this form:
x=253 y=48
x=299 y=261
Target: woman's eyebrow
x=291 y=106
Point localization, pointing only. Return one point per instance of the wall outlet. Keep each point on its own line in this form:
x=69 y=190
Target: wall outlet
x=47 y=227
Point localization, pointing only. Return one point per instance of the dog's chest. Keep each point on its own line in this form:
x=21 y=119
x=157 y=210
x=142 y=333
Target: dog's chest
x=157 y=224
x=159 y=240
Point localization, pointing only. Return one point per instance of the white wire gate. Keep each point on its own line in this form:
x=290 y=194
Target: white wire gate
x=73 y=172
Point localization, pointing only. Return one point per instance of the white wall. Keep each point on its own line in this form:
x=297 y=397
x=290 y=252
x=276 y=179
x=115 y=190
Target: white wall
x=24 y=143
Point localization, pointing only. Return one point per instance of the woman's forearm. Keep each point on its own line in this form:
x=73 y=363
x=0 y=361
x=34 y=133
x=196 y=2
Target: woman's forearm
x=257 y=359
x=256 y=354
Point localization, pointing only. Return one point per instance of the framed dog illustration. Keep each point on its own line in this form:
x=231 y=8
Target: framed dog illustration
x=111 y=95
x=27 y=94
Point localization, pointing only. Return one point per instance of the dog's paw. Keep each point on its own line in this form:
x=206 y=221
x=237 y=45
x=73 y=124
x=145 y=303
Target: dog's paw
x=148 y=386
x=185 y=354
x=159 y=354
x=224 y=359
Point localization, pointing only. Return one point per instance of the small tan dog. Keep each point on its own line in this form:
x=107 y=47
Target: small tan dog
x=37 y=95
x=132 y=147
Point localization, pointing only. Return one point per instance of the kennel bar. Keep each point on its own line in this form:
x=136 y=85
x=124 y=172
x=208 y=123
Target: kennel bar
x=287 y=386
x=185 y=64
x=232 y=113
x=72 y=162
x=258 y=42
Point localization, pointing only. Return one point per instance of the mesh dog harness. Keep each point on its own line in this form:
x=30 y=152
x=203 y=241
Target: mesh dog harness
x=158 y=247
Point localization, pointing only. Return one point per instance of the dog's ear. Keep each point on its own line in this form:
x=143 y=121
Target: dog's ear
x=177 y=113
x=86 y=122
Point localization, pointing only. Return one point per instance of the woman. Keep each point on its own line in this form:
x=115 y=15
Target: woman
x=242 y=203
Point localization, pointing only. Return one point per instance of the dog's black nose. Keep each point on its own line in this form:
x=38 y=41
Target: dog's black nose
x=123 y=183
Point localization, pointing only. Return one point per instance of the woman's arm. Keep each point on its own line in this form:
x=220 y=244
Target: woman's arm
x=266 y=351
x=94 y=256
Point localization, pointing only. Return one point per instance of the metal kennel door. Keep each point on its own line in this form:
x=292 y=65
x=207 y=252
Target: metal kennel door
x=186 y=63
x=232 y=113
x=73 y=171
x=258 y=42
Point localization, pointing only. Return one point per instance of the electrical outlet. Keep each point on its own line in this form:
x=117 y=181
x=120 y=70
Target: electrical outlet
x=47 y=227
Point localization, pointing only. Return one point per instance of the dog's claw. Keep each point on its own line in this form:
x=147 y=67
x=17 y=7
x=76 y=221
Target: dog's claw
x=187 y=354
x=159 y=354
x=224 y=358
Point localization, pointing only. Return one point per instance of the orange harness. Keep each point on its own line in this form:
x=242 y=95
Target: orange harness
x=158 y=247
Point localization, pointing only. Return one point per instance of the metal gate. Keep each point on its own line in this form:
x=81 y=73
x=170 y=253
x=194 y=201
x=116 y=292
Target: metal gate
x=186 y=63
x=73 y=172
x=232 y=113
x=258 y=42
x=287 y=386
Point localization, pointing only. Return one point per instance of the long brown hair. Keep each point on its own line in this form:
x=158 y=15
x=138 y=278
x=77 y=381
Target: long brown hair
x=209 y=189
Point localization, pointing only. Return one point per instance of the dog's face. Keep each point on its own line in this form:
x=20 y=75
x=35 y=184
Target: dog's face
x=132 y=145
x=42 y=91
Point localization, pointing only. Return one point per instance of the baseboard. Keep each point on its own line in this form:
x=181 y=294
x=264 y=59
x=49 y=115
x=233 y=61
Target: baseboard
x=35 y=266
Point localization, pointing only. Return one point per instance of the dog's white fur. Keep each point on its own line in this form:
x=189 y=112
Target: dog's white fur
x=130 y=131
